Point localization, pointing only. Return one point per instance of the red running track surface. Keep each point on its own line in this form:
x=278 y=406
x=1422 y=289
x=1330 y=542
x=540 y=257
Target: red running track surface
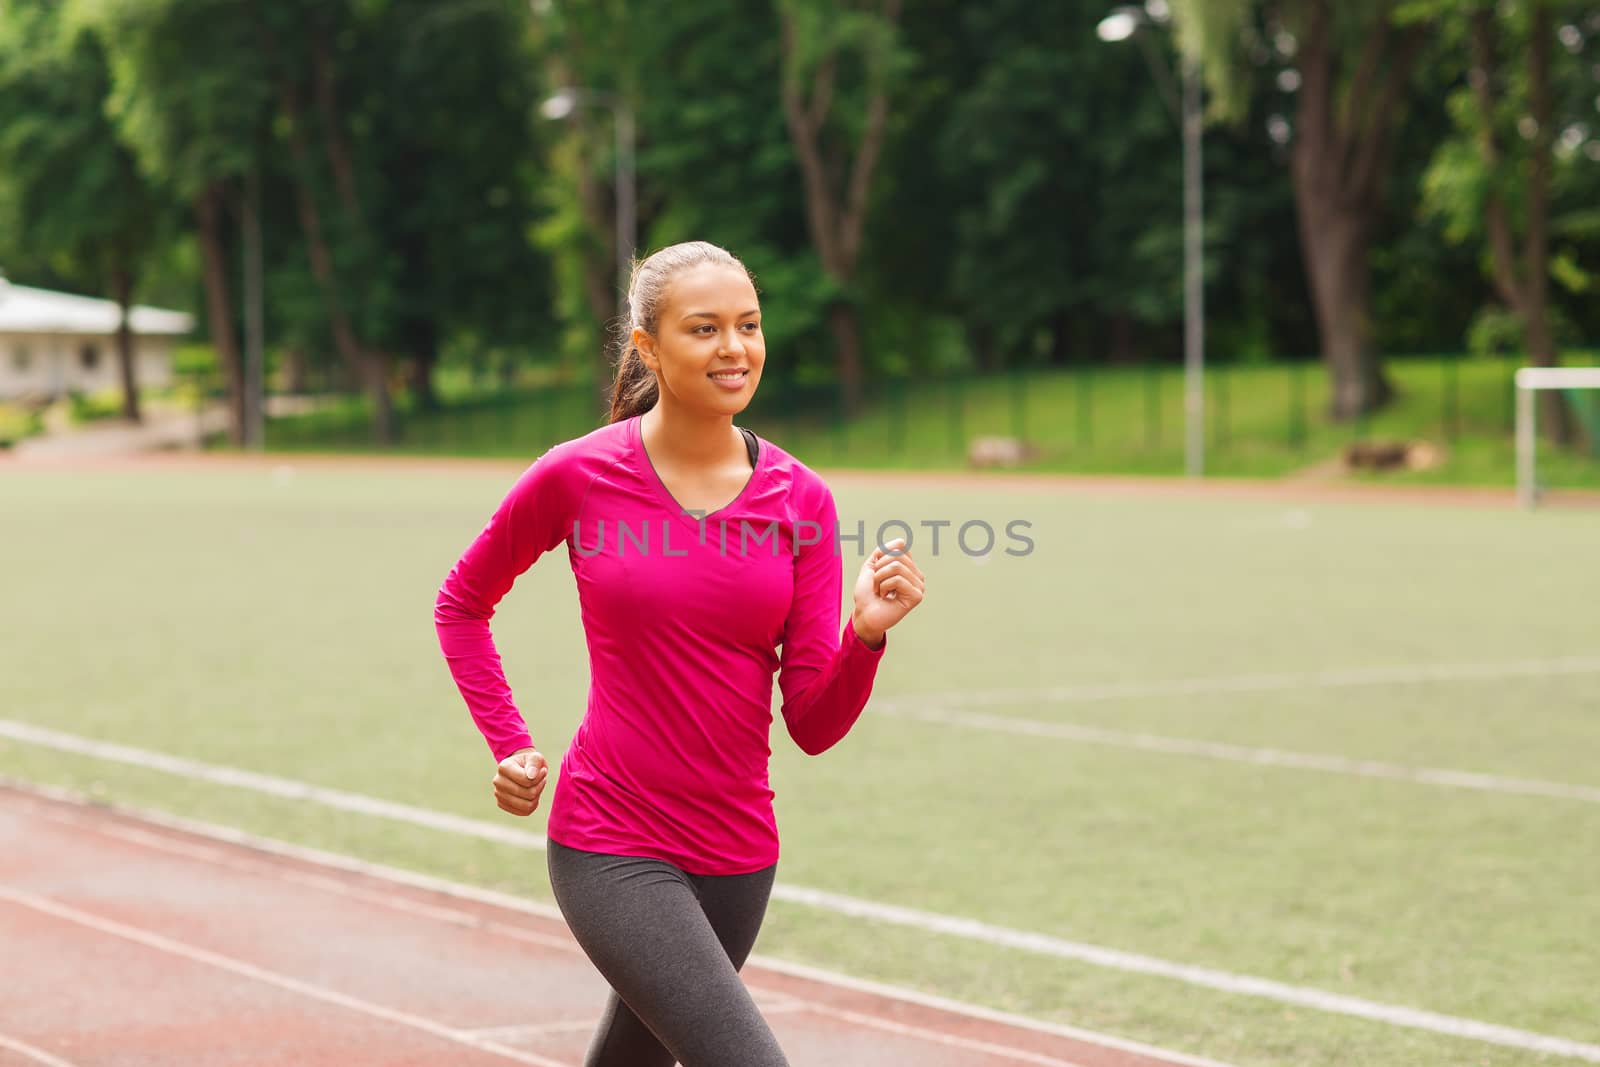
x=127 y=942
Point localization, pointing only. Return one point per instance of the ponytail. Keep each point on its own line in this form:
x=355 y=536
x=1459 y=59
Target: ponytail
x=634 y=389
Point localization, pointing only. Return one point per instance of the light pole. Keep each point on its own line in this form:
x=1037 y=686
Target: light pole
x=562 y=105
x=255 y=387
x=1130 y=21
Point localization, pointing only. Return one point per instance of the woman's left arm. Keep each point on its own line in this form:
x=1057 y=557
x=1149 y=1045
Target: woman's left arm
x=826 y=675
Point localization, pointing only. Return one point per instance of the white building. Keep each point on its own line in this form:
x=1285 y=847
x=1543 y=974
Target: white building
x=52 y=343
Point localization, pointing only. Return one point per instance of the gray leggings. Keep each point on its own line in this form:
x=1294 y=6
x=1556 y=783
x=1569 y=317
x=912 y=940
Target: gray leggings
x=671 y=945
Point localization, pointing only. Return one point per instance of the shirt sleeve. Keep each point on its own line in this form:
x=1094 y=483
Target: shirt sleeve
x=532 y=519
x=825 y=675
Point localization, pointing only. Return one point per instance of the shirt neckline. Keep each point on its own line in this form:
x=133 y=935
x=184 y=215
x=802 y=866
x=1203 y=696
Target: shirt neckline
x=664 y=495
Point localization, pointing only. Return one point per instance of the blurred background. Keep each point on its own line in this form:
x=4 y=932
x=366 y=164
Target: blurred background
x=1227 y=237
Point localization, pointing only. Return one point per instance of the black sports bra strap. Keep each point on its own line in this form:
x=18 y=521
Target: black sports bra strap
x=750 y=444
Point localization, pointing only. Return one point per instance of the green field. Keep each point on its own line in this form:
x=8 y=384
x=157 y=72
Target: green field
x=279 y=620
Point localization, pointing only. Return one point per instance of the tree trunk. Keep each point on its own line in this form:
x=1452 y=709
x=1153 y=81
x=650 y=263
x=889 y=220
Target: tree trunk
x=845 y=326
x=1060 y=340
x=122 y=283
x=837 y=176
x=1335 y=241
x=984 y=346
x=339 y=154
x=1339 y=163
x=600 y=285
x=424 y=344
x=219 y=313
x=422 y=366
x=375 y=374
x=1121 y=351
x=370 y=367
x=1523 y=283
x=1557 y=416
x=296 y=373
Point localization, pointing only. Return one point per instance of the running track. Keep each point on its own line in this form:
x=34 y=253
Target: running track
x=125 y=942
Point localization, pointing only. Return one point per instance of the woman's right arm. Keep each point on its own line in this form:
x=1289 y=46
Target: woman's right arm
x=533 y=518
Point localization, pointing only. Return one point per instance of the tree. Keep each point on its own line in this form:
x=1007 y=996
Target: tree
x=191 y=93
x=299 y=46
x=586 y=45
x=411 y=177
x=452 y=166
x=403 y=166
x=1496 y=180
x=1054 y=208
x=1353 y=62
x=72 y=188
x=714 y=159
x=838 y=135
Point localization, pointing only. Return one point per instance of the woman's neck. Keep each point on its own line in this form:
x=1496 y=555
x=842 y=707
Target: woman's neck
x=688 y=439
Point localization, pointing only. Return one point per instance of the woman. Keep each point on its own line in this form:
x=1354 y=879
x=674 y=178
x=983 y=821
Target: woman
x=698 y=549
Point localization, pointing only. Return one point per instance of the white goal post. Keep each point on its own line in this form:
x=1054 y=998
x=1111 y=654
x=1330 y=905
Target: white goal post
x=1528 y=380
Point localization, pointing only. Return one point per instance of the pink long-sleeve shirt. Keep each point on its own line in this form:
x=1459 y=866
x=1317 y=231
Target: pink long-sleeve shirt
x=683 y=616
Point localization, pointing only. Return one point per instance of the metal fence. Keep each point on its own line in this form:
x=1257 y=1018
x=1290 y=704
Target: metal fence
x=1260 y=418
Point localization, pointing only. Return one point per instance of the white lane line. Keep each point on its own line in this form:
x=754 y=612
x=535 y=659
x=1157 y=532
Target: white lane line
x=1248 y=683
x=530 y=1031
x=271 y=785
x=160 y=943
x=976 y=930
x=323 y=883
x=976 y=1011
x=1268 y=757
x=1205 y=977
x=515 y=904
x=38 y=1055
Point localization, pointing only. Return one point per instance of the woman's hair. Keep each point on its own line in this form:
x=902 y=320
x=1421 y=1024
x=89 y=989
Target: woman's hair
x=633 y=390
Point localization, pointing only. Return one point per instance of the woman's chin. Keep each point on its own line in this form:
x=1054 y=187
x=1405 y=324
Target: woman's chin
x=728 y=402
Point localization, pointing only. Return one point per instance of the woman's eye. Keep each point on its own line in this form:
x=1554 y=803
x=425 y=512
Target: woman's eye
x=752 y=326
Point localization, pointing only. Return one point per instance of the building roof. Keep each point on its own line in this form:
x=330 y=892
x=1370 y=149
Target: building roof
x=26 y=310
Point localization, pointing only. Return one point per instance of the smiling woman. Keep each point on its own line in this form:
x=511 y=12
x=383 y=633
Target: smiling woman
x=663 y=846
x=714 y=329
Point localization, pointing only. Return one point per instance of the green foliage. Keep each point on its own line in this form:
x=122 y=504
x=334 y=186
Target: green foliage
x=853 y=37
x=1494 y=332
x=191 y=84
x=1459 y=182
x=1025 y=210
x=17 y=422
x=1569 y=273
x=1455 y=187
x=73 y=205
x=93 y=407
x=1218 y=34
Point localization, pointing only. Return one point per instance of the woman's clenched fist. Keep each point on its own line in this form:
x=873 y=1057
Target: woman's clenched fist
x=519 y=780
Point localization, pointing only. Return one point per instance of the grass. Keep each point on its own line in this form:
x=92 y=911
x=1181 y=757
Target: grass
x=281 y=622
x=1263 y=421
x=17 y=422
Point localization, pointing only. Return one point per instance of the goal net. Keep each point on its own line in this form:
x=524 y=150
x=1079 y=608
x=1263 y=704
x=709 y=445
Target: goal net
x=1531 y=380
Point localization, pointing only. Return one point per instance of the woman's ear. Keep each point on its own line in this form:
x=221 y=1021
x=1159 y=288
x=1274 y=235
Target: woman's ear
x=647 y=348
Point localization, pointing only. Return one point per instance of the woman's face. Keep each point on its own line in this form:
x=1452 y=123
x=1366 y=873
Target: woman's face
x=707 y=351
